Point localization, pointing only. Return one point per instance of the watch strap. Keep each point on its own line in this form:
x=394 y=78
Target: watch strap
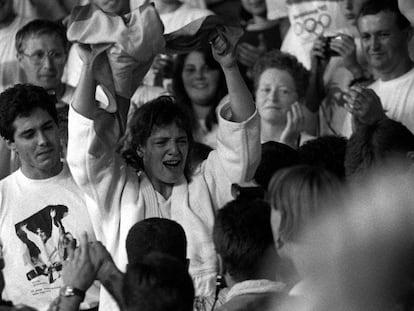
x=69 y=291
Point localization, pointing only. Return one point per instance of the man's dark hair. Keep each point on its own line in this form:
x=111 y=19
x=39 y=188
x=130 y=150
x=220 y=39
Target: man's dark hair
x=40 y=27
x=373 y=144
x=156 y=235
x=158 y=283
x=275 y=156
x=373 y=7
x=242 y=234
x=20 y=101
x=327 y=152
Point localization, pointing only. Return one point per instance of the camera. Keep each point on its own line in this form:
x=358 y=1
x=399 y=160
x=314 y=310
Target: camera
x=327 y=42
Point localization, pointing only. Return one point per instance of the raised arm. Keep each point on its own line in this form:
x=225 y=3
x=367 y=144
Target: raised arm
x=241 y=101
x=84 y=97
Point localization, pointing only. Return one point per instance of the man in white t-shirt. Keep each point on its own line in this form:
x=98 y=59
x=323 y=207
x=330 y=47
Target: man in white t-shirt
x=385 y=34
x=42 y=210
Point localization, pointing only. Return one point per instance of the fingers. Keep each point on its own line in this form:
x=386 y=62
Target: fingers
x=220 y=45
x=318 y=49
x=298 y=117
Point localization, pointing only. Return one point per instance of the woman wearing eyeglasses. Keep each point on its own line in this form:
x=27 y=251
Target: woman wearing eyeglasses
x=280 y=83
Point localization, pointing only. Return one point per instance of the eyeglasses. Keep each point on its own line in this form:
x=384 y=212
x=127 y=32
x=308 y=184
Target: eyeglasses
x=38 y=57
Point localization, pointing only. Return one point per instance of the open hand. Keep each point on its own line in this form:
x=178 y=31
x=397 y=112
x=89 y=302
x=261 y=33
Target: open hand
x=294 y=126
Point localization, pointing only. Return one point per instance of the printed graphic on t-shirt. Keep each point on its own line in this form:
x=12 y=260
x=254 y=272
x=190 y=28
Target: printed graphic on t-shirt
x=311 y=19
x=46 y=242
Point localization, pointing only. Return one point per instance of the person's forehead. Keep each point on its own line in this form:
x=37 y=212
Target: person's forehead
x=37 y=118
x=49 y=41
x=375 y=22
x=276 y=75
x=167 y=131
x=194 y=58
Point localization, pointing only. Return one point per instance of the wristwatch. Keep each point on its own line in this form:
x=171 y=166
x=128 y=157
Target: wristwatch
x=69 y=291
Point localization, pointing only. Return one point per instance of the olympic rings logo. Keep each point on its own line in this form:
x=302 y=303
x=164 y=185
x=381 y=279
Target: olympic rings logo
x=312 y=26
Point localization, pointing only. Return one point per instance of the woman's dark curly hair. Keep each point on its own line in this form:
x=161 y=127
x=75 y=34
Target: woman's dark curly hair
x=160 y=112
x=282 y=61
x=181 y=95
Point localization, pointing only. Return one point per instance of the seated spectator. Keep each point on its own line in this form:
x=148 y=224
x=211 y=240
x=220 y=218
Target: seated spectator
x=280 y=84
x=157 y=283
x=275 y=156
x=261 y=35
x=327 y=152
x=161 y=139
x=374 y=145
x=337 y=62
x=244 y=242
x=42 y=210
x=389 y=59
x=299 y=195
x=199 y=86
x=41 y=48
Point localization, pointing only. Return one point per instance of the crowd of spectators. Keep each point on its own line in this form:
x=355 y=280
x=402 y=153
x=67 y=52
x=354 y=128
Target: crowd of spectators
x=206 y=155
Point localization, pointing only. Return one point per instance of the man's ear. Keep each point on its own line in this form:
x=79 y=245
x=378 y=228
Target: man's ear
x=140 y=151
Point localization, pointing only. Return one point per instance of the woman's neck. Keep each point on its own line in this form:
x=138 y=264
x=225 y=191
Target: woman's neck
x=164 y=189
x=271 y=132
x=201 y=111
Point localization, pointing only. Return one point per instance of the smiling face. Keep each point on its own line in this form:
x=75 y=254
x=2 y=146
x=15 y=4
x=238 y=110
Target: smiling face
x=36 y=141
x=165 y=155
x=49 y=72
x=384 y=43
x=199 y=80
x=275 y=94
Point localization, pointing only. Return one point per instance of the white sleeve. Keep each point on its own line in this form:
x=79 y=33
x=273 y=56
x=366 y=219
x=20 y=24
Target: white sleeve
x=236 y=157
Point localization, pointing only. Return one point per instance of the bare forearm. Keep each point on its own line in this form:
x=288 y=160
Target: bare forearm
x=84 y=97
x=112 y=279
x=241 y=101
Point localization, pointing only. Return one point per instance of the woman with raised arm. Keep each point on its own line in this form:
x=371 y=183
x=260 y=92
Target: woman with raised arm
x=159 y=183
